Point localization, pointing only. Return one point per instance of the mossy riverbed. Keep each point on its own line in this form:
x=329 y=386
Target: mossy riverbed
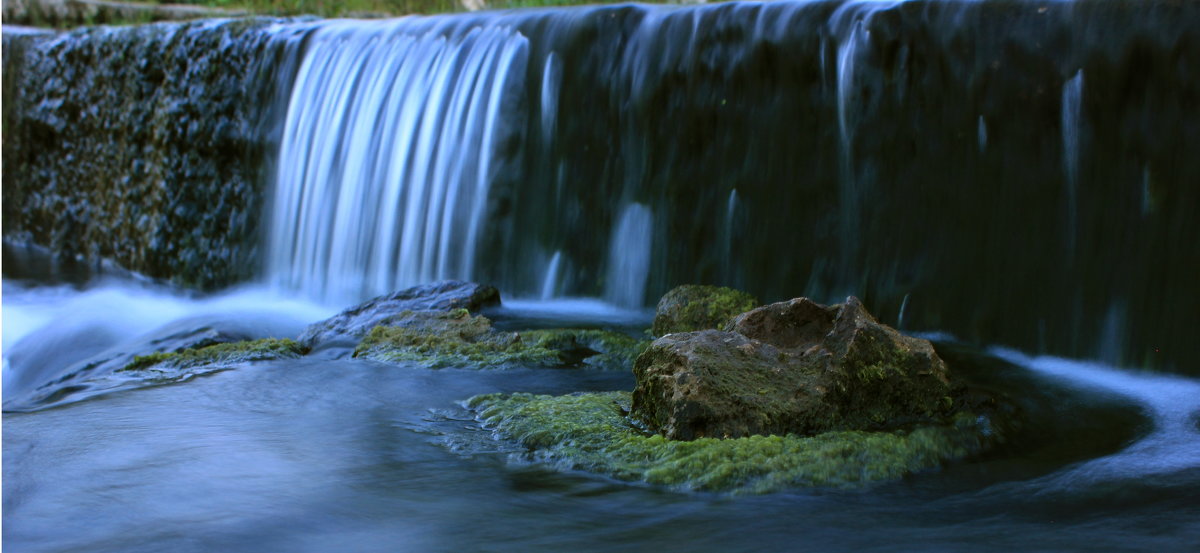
x=590 y=431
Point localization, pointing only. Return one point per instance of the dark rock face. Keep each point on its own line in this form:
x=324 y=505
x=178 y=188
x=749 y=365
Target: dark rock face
x=141 y=145
x=793 y=367
x=696 y=307
x=1060 y=135
x=395 y=308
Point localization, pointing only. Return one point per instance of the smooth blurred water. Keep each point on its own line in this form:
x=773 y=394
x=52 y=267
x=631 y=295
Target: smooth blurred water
x=383 y=170
x=60 y=339
x=345 y=455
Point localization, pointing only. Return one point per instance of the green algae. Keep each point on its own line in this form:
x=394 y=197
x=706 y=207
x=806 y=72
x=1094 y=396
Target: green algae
x=590 y=431
x=449 y=339
x=226 y=354
x=457 y=338
x=400 y=344
x=694 y=307
x=598 y=348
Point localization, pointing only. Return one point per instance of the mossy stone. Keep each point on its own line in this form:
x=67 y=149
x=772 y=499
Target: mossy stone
x=694 y=307
x=226 y=354
x=790 y=367
x=397 y=308
x=457 y=338
x=597 y=348
x=449 y=339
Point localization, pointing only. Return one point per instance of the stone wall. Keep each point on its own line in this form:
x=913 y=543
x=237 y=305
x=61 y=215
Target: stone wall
x=141 y=145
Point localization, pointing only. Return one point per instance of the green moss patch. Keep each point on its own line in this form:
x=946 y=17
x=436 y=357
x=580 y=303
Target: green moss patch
x=598 y=348
x=589 y=431
x=450 y=339
x=693 y=307
x=457 y=338
x=227 y=354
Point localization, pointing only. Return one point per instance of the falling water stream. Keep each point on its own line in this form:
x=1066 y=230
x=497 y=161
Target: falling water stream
x=384 y=167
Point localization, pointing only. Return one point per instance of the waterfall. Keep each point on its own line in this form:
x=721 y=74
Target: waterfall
x=383 y=170
x=981 y=134
x=937 y=159
x=550 y=283
x=629 y=256
x=929 y=156
x=1072 y=97
x=729 y=272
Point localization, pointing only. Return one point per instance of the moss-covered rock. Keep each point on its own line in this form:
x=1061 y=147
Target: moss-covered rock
x=450 y=339
x=218 y=355
x=591 y=432
x=397 y=308
x=598 y=348
x=694 y=307
x=457 y=338
x=790 y=367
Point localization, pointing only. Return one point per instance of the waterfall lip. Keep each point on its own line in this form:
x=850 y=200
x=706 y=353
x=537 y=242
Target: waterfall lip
x=23 y=30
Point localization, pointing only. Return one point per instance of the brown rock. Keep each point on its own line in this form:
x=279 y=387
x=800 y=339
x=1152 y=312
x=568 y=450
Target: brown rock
x=791 y=367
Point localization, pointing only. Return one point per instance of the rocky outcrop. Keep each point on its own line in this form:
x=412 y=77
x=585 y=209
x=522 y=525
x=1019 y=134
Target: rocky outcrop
x=696 y=307
x=396 y=308
x=794 y=367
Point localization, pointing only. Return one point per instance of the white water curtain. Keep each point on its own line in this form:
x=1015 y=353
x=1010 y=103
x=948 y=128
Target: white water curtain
x=383 y=168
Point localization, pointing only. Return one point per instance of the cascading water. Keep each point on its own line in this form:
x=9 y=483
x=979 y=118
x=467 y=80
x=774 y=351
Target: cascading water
x=629 y=254
x=1072 y=98
x=944 y=152
x=383 y=170
x=550 y=284
x=931 y=151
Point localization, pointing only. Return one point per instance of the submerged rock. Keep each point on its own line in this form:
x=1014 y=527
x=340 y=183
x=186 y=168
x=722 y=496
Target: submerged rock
x=591 y=432
x=694 y=307
x=598 y=348
x=794 y=367
x=444 y=339
x=391 y=309
x=459 y=339
x=214 y=357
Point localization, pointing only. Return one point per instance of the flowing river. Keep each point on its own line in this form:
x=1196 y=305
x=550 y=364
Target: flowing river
x=338 y=454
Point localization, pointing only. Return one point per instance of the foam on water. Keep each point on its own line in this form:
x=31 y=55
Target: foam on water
x=49 y=330
x=1172 y=402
